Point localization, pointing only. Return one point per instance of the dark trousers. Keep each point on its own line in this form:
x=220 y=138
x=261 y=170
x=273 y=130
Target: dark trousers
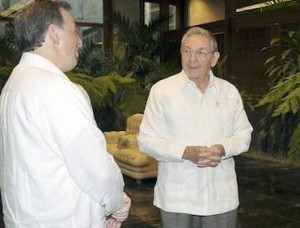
x=178 y=220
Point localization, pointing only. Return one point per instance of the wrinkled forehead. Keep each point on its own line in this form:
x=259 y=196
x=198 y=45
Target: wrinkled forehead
x=197 y=41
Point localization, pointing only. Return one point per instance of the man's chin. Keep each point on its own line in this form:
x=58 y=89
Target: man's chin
x=193 y=72
x=69 y=68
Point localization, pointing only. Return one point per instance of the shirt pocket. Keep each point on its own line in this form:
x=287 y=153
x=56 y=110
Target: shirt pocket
x=180 y=121
x=220 y=116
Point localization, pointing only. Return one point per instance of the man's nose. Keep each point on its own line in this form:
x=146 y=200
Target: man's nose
x=192 y=56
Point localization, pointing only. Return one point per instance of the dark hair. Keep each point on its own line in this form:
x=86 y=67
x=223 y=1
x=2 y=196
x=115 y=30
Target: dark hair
x=32 y=22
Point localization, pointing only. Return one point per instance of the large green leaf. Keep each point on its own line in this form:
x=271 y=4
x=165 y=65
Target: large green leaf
x=100 y=88
x=281 y=104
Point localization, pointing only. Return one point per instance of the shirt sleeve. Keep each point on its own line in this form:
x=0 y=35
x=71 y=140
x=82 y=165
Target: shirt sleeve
x=71 y=131
x=153 y=138
x=240 y=139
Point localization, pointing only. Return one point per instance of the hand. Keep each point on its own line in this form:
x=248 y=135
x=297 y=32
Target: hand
x=211 y=156
x=122 y=214
x=204 y=156
x=112 y=223
x=192 y=153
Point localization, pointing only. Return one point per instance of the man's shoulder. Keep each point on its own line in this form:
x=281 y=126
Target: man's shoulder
x=30 y=81
x=37 y=76
x=169 y=82
x=225 y=84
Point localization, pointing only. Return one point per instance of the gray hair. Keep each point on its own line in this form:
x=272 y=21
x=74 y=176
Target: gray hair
x=201 y=32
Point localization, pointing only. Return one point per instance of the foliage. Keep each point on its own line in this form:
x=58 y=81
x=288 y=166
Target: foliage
x=249 y=100
x=136 y=52
x=138 y=47
x=118 y=83
x=9 y=53
x=113 y=94
x=4 y=74
x=219 y=68
x=94 y=62
x=278 y=127
x=294 y=143
x=278 y=4
x=286 y=95
x=219 y=71
x=160 y=71
x=99 y=88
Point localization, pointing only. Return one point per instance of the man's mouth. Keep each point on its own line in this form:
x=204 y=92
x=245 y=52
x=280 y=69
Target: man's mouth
x=193 y=67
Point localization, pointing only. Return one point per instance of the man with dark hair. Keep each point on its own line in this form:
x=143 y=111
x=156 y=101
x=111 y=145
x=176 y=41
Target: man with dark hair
x=55 y=169
x=194 y=124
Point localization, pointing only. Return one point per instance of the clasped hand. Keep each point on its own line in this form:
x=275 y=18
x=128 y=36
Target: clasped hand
x=115 y=220
x=204 y=156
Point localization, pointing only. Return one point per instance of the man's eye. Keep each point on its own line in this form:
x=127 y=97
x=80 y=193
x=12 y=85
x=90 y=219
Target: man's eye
x=201 y=52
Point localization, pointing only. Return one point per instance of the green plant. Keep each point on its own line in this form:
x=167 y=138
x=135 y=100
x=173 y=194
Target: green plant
x=136 y=51
x=9 y=53
x=118 y=82
x=94 y=62
x=4 y=74
x=219 y=71
x=278 y=4
x=110 y=95
x=137 y=47
x=278 y=127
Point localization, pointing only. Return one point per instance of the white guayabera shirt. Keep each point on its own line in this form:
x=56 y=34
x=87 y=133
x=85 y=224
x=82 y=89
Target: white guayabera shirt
x=177 y=115
x=55 y=169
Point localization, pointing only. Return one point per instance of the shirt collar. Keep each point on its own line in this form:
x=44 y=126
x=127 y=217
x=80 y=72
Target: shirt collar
x=185 y=81
x=39 y=61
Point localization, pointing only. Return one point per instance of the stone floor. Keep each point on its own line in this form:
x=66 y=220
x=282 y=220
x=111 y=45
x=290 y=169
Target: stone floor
x=269 y=196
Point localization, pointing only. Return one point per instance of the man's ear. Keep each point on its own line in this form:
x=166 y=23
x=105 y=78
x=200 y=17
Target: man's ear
x=215 y=58
x=54 y=33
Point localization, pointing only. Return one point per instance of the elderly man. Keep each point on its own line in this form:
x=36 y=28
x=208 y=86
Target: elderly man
x=55 y=169
x=194 y=124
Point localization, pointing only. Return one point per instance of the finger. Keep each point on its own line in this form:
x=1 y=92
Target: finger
x=215 y=158
x=111 y=223
x=123 y=212
x=212 y=161
x=124 y=209
x=120 y=216
x=207 y=154
x=126 y=198
x=214 y=164
x=209 y=158
x=203 y=162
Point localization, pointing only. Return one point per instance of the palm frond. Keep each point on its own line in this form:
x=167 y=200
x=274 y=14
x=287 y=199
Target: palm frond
x=281 y=104
x=100 y=88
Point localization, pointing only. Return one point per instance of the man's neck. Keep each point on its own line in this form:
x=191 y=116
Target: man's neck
x=202 y=83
